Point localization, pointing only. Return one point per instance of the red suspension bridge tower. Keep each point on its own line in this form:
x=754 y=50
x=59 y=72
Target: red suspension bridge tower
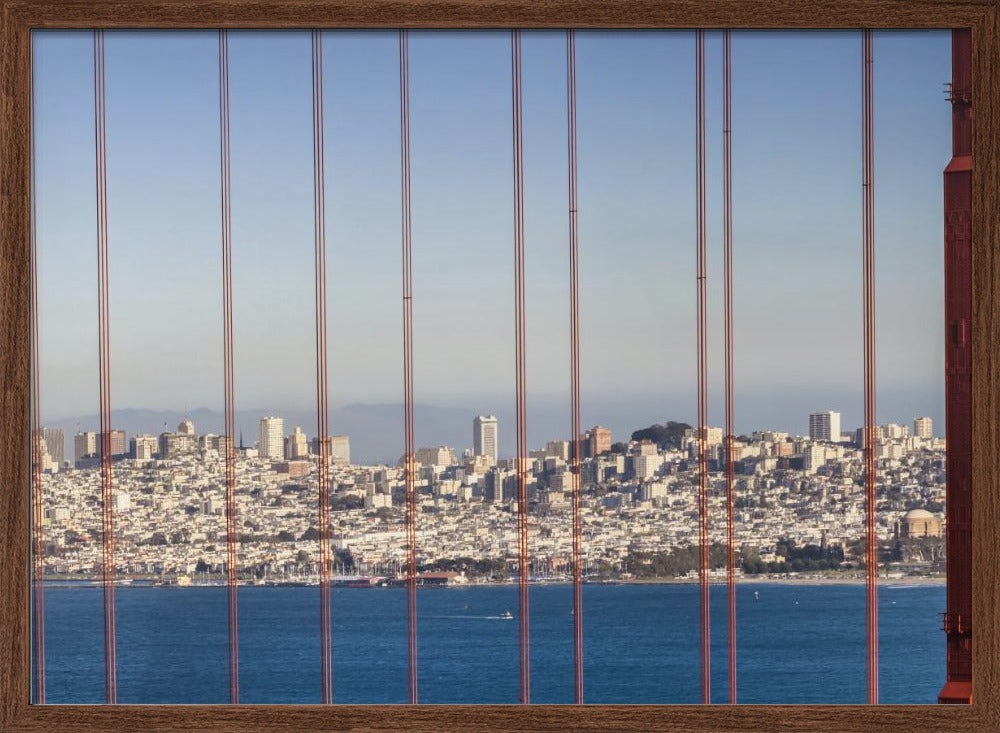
x=958 y=363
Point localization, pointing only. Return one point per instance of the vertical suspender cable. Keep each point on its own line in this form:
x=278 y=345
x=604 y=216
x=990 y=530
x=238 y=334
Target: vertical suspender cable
x=37 y=498
x=574 y=324
x=104 y=369
x=871 y=550
x=727 y=195
x=228 y=368
x=524 y=638
x=706 y=660
x=409 y=458
x=322 y=398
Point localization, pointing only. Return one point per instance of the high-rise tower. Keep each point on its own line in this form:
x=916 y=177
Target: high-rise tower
x=272 y=438
x=485 y=437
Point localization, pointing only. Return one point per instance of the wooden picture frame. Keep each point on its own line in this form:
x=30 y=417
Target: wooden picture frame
x=19 y=17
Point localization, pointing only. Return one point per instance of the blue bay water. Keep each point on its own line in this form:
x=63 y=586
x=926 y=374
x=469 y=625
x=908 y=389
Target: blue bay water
x=796 y=644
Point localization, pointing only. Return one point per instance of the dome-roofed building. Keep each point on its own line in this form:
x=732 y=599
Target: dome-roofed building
x=918 y=523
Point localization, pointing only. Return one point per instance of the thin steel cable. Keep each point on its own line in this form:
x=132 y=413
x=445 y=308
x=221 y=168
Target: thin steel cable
x=574 y=278
x=871 y=540
x=409 y=457
x=228 y=371
x=727 y=196
x=104 y=374
x=706 y=659
x=524 y=635
x=37 y=496
x=322 y=372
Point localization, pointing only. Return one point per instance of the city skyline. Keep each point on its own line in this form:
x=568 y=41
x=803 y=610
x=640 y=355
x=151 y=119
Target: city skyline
x=278 y=442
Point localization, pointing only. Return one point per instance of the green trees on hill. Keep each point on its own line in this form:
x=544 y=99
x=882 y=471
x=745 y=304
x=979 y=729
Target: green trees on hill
x=665 y=436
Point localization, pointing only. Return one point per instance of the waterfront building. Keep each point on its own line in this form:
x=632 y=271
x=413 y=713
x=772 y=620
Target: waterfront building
x=918 y=523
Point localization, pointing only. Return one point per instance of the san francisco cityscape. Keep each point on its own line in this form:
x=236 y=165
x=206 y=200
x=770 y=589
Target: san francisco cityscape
x=725 y=486
x=799 y=500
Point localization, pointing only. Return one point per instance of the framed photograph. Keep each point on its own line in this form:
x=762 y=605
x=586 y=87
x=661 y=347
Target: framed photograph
x=499 y=365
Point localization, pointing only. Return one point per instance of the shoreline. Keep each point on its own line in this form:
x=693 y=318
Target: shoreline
x=719 y=582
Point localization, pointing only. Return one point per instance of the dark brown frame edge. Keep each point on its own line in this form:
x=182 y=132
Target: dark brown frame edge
x=20 y=16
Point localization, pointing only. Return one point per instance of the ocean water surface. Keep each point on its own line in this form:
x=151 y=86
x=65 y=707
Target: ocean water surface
x=797 y=643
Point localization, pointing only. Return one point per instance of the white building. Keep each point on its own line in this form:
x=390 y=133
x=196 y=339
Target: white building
x=825 y=426
x=813 y=457
x=485 y=440
x=893 y=431
x=144 y=447
x=340 y=449
x=558 y=449
x=647 y=466
x=440 y=456
x=923 y=427
x=296 y=445
x=272 y=438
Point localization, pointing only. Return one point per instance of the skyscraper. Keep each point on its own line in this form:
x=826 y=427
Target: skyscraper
x=117 y=445
x=296 y=445
x=484 y=437
x=55 y=444
x=598 y=441
x=144 y=447
x=84 y=445
x=825 y=426
x=340 y=449
x=272 y=438
x=923 y=427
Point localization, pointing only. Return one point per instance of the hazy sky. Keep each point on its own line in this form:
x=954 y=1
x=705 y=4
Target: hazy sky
x=797 y=219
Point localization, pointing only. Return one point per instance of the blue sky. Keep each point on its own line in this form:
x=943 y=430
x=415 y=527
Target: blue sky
x=797 y=219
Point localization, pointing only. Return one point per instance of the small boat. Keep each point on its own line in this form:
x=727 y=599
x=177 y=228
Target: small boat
x=506 y=615
x=756 y=596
